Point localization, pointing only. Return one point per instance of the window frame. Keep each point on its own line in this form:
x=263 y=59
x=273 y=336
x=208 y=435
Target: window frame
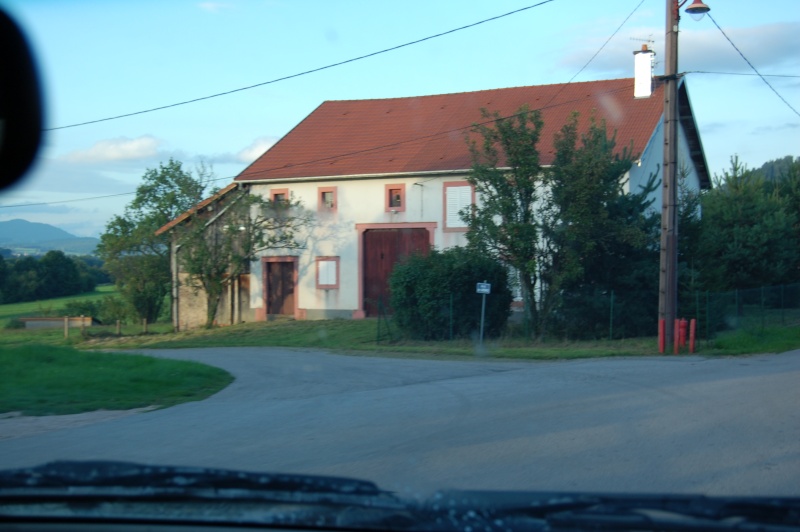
x=446 y=188
x=337 y=264
x=321 y=207
x=275 y=191
x=387 y=197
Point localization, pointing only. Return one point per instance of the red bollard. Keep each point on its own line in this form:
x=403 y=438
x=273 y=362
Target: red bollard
x=661 y=336
x=676 y=331
x=692 y=331
x=683 y=327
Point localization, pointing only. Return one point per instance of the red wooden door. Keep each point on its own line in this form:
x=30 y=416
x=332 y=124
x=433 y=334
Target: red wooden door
x=383 y=248
x=280 y=287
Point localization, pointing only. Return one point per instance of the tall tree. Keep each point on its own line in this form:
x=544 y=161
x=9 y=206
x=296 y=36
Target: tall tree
x=601 y=238
x=508 y=179
x=60 y=276
x=748 y=233
x=216 y=247
x=132 y=252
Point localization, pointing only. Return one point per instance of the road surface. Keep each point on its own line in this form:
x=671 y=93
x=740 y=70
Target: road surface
x=661 y=424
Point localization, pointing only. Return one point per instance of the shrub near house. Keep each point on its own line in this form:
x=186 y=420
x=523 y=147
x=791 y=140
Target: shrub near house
x=427 y=289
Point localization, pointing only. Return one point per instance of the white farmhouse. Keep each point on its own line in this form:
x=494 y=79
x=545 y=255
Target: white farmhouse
x=387 y=177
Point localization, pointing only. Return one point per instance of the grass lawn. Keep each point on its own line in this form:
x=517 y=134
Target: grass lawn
x=43 y=380
x=49 y=306
x=359 y=337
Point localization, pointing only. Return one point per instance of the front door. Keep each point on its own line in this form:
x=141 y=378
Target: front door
x=279 y=282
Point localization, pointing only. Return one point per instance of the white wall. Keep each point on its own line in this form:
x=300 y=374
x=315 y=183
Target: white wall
x=358 y=201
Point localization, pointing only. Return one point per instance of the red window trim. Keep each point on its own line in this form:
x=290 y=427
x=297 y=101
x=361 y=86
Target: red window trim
x=447 y=185
x=402 y=188
x=321 y=207
x=338 y=273
x=275 y=191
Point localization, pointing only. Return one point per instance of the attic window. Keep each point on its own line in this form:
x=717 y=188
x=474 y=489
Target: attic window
x=279 y=195
x=326 y=199
x=395 y=198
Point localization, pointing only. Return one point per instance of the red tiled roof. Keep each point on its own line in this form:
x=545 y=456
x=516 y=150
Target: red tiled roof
x=426 y=133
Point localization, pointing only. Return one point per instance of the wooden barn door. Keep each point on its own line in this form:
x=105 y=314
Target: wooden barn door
x=279 y=277
x=383 y=248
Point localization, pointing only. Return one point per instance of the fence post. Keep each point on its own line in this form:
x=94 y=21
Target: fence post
x=144 y=325
x=611 y=318
x=66 y=326
x=83 y=327
x=119 y=328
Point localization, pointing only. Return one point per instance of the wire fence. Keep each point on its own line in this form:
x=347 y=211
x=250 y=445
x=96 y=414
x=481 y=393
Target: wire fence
x=605 y=314
x=751 y=309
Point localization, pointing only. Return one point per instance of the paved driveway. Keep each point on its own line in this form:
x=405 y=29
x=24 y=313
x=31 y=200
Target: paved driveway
x=717 y=426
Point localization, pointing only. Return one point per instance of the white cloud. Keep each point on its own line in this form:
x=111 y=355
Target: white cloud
x=118 y=149
x=255 y=149
x=213 y=7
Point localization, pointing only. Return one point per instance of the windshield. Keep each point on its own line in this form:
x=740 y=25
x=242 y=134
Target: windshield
x=429 y=245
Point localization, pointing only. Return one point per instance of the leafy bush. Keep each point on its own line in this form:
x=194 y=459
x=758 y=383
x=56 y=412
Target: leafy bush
x=14 y=323
x=422 y=288
x=108 y=310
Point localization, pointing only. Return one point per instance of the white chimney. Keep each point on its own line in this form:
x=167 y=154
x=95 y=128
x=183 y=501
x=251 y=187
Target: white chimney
x=643 y=72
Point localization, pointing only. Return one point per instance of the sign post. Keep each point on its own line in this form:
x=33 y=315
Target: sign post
x=483 y=288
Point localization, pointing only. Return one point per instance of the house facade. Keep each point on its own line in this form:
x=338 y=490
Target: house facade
x=387 y=178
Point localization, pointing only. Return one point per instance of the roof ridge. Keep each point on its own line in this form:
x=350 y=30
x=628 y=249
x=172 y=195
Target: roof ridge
x=595 y=82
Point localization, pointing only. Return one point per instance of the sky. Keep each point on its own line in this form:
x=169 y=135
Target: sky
x=103 y=58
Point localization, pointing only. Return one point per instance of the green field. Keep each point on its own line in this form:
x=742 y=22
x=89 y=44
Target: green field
x=44 y=380
x=49 y=306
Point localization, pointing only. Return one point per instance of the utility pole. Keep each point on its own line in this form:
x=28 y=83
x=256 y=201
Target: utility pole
x=668 y=274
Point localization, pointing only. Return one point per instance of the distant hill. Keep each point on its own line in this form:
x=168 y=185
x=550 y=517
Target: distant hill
x=22 y=236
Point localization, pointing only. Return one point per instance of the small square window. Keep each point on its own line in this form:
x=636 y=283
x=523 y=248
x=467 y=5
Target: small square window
x=279 y=195
x=326 y=199
x=395 y=198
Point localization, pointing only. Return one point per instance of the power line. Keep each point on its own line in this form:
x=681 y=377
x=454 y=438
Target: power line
x=305 y=72
x=754 y=68
x=597 y=52
x=741 y=74
x=338 y=156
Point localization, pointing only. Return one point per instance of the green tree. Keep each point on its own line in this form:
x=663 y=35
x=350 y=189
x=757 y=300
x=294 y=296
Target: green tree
x=508 y=220
x=133 y=254
x=748 y=233
x=3 y=276
x=24 y=281
x=60 y=276
x=602 y=239
x=216 y=247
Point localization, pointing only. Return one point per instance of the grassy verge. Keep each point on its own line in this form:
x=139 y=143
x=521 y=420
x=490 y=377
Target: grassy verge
x=50 y=306
x=42 y=380
x=359 y=337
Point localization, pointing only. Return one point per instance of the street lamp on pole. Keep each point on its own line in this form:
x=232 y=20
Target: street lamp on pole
x=668 y=274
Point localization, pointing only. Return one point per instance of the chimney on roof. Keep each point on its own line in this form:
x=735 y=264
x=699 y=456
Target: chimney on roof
x=643 y=72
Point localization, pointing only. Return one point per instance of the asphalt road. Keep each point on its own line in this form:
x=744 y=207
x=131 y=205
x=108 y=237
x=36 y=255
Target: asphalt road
x=689 y=424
